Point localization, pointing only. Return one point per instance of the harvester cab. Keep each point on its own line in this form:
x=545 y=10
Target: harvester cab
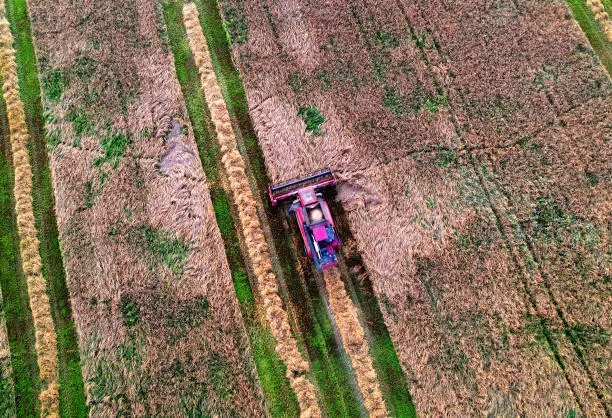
x=312 y=214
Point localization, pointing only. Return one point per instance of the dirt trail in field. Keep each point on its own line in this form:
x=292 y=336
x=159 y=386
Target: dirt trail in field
x=353 y=337
x=46 y=339
x=257 y=247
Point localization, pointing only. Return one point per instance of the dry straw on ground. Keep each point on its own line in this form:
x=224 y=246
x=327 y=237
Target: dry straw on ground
x=46 y=347
x=354 y=342
x=286 y=344
x=601 y=16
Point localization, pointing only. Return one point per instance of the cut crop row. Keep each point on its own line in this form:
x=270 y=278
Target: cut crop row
x=256 y=244
x=46 y=338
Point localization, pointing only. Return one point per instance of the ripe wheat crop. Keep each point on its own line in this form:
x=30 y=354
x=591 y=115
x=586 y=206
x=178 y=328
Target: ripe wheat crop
x=46 y=346
x=257 y=247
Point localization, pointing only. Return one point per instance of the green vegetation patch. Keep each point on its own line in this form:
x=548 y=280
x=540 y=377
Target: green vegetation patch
x=313 y=119
x=161 y=247
x=130 y=311
x=551 y=223
x=78 y=119
x=114 y=145
x=235 y=25
x=418 y=101
x=189 y=315
x=53 y=83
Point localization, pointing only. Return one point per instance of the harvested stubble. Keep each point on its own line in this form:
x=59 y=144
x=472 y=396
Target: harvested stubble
x=46 y=339
x=257 y=247
x=353 y=338
x=7 y=394
x=601 y=16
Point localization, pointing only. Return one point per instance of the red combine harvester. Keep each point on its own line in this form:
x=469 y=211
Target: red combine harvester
x=313 y=216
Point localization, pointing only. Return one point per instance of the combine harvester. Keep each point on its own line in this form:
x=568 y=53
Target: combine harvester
x=313 y=217
x=321 y=244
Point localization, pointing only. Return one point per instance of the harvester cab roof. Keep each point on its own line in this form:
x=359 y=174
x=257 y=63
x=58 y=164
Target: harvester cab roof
x=312 y=214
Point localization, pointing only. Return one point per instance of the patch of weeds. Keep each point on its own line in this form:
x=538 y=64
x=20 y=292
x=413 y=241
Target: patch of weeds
x=313 y=119
x=393 y=101
x=431 y=202
x=189 y=314
x=588 y=336
x=537 y=329
x=526 y=144
x=235 y=25
x=53 y=84
x=84 y=67
x=550 y=222
x=220 y=377
x=445 y=158
x=130 y=311
x=387 y=40
x=419 y=100
x=114 y=146
x=79 y=121
x=89 y=194
x=296 y=82
x=54 y=137
x=163 y=247
x=591 y=178
x=177 y=368
x=324 y=78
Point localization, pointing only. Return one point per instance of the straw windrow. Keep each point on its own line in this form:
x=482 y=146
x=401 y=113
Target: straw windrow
x=46 y=339
x=353 y=339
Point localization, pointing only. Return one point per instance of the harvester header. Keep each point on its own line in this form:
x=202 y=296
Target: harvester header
x=317 y=180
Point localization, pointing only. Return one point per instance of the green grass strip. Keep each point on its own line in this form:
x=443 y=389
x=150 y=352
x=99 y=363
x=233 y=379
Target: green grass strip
x=72 y=394
x=331 y=376
x=279 y=395
x=19 y=322
x=593 y=31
